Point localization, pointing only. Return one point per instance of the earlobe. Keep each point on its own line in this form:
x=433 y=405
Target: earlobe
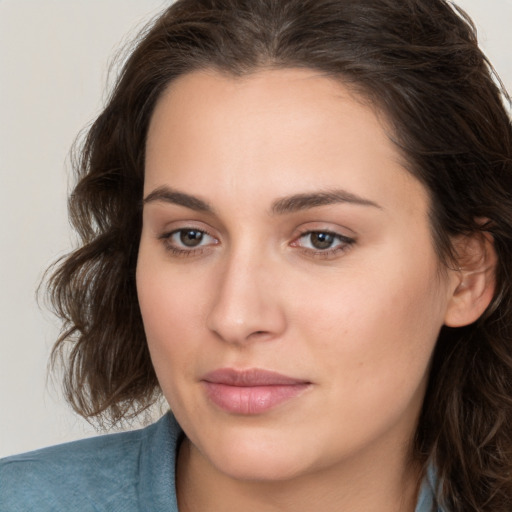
x=473 y=282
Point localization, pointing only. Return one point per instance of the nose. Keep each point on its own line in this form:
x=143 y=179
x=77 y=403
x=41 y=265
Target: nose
x=246 y=304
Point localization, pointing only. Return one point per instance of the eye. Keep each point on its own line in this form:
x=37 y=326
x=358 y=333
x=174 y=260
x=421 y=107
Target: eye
x=324 y=243
x=188 y=237
x=187 y=241
x=320 y=240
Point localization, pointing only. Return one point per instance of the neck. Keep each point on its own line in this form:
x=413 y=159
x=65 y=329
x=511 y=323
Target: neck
x=373 y=482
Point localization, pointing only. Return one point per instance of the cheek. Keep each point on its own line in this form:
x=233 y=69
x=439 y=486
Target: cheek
x=171 y=331
x=165 y=309
x=170 y=297
x=375 y=334
x=172 y=314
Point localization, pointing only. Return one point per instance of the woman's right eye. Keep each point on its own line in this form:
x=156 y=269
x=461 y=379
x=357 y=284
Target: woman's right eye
x=187 y=241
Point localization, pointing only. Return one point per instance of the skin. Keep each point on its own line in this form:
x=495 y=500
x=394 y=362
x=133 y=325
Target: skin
x=358 y=320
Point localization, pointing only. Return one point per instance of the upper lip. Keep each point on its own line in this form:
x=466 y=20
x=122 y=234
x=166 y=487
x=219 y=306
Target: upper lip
x=250 y=377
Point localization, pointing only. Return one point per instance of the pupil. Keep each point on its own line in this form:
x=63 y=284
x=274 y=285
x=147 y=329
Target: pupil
x=191 y=238
x=322 y=240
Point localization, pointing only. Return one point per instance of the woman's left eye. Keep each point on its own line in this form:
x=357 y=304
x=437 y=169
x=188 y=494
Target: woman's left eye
x=187 y=240
x=324 y=242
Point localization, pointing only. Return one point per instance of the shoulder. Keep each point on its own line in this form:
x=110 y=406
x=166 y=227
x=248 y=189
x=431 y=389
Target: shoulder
x=97 y=474
x=427 y=493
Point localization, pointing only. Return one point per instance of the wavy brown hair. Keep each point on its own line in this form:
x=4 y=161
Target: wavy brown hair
x=417 y=62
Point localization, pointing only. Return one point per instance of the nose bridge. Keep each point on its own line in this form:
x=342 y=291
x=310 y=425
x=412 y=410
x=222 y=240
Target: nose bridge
x=246 y=305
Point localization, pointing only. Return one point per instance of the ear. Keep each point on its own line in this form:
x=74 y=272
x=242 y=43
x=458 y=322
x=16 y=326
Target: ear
x=473 y=282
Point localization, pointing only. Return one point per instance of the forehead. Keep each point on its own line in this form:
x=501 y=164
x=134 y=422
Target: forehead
x=292 y=128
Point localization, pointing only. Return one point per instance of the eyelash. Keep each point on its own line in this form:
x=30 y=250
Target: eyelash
x=344 y=243
x=181 y=252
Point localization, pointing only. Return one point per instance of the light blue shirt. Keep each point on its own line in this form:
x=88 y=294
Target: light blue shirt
x=128 y=472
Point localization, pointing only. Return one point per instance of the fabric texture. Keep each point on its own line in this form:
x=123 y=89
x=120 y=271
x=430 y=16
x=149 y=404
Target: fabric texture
x=127 y=472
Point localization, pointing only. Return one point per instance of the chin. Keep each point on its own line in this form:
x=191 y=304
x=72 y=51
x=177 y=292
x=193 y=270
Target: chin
x=259 y=466
x=259 y=455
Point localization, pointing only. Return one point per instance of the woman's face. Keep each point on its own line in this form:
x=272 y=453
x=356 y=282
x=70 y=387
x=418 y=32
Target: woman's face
x=290 y=291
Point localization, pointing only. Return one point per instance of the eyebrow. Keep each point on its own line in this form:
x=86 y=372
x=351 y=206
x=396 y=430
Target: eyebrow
x=168 y=195
x=300 y=202
x=289 y=204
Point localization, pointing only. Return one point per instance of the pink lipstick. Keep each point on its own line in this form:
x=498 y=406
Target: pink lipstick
x=252 y=391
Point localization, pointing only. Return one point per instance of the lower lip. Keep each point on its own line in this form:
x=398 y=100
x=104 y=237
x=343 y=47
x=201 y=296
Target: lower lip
x=250 y=400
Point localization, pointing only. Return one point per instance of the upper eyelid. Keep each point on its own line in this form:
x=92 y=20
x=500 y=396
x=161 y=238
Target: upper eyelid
x=307 y=231
x=169 y=233
x=339 y=231
x=343 y=238
x=175 y=226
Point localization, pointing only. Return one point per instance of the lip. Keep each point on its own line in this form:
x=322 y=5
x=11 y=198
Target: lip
x=250 y=392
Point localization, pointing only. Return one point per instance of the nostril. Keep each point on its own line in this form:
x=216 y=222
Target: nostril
x=259 y=335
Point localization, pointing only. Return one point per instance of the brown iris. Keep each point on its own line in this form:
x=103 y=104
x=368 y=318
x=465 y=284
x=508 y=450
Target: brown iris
x=191 y=237
x=322 y=240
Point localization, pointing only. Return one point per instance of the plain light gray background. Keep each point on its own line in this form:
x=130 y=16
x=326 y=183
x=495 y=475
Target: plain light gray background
x=54 y=59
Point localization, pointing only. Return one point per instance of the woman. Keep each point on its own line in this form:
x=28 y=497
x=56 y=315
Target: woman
x=297 y=225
